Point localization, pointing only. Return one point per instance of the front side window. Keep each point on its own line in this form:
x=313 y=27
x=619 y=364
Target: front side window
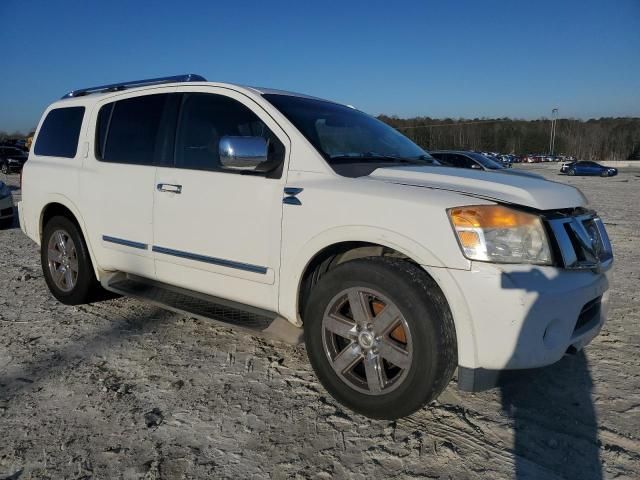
x=205 y=119
x=60 y=131
x=343 y=134
x=463 y=161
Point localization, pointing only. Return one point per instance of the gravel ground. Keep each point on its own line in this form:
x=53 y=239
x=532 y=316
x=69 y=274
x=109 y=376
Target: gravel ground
x=120 y=389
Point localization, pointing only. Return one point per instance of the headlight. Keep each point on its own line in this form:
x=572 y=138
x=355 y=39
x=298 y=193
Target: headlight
x=493 y=233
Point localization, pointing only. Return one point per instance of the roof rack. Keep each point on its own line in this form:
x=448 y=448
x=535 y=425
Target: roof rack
x=115 y=87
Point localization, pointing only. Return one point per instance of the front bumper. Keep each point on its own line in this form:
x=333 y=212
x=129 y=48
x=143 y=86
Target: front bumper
x=522 y=316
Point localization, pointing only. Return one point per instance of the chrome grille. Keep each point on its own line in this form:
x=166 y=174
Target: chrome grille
x=583 y=242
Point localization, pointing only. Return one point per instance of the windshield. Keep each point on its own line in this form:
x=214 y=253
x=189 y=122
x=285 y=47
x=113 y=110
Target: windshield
x=345 y=135
x=486 y=162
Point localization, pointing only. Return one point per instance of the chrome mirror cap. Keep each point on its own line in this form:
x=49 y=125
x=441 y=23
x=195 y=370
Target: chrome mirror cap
x=242 y=153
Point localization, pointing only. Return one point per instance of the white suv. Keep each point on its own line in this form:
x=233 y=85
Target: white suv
x=283 y=213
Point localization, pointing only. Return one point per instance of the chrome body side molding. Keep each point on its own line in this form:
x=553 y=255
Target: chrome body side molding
x=126 y=243
x=212 y=260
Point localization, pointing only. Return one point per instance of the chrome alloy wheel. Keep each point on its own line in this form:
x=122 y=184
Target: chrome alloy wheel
x=62 y=259
x=367 y=341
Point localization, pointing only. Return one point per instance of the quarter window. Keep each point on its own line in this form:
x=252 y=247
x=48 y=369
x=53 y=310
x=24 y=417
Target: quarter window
x=206 y=118
x=60 y=131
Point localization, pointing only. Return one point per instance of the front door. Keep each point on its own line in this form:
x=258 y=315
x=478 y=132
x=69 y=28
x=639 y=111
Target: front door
x=218 y=231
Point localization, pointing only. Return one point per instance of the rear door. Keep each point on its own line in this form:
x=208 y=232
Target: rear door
x=118 y=179
x=218 y=231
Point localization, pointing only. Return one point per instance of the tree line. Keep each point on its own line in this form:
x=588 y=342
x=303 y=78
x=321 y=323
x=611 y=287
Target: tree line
x=594 y=139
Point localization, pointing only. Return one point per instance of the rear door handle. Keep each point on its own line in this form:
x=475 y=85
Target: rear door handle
x=170 y=188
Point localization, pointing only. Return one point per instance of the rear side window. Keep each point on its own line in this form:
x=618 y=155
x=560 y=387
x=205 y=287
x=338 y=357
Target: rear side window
x=131 y=131
x=60 y=132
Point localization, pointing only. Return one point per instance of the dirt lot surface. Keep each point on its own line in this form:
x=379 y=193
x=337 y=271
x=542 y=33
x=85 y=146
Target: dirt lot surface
x=120 y=389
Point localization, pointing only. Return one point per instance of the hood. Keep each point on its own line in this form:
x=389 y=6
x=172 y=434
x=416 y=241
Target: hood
x=516 y=189
x=522 y=173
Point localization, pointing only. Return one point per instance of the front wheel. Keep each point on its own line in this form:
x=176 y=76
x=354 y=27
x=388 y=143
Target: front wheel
x=380 y=336
x=571 y=172
x=66 y=263
x=5 y=168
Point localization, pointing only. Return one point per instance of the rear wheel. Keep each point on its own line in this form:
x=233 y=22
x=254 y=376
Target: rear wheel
x=66 y=263
x=380 y=336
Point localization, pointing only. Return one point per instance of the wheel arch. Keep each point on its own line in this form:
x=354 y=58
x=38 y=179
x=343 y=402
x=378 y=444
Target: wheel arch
x=62 y=207
x=349 y=243
x=338 y=246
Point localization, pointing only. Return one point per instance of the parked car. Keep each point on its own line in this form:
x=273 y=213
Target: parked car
x=476 y=161
x=20 y=144
x=508 y=160
x=12 y=159
x=466 y=159
x=301 y=218
x=496 y=157
x=584 y=167
x=6 y=206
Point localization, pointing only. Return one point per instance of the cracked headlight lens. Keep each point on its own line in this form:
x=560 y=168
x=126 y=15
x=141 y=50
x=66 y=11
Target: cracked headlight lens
x=494 y=233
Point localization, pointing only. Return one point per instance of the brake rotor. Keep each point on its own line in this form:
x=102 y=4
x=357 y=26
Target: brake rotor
x=398 y=333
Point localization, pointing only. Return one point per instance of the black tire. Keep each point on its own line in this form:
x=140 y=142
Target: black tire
x=604 y=173
x=427 y=314
x=5 y=168
x=571 y=172
x=86 y=286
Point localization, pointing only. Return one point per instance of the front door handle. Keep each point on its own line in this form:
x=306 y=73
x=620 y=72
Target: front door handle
x=170 y=188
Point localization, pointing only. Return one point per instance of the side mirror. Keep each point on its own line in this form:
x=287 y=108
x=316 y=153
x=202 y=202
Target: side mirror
x=242 y=153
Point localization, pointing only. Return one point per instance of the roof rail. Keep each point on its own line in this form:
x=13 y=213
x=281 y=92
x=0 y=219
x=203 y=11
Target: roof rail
x=115 y=87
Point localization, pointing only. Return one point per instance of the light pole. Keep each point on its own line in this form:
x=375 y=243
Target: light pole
x=552 y=139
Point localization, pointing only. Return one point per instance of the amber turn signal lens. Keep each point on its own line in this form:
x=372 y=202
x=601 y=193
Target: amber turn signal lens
x=469 y=239
x=489 y=216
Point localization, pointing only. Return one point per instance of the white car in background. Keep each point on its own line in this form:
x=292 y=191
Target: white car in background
x=303 y=218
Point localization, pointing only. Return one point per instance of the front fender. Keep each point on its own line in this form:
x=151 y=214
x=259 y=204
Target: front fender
x=293 y=268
